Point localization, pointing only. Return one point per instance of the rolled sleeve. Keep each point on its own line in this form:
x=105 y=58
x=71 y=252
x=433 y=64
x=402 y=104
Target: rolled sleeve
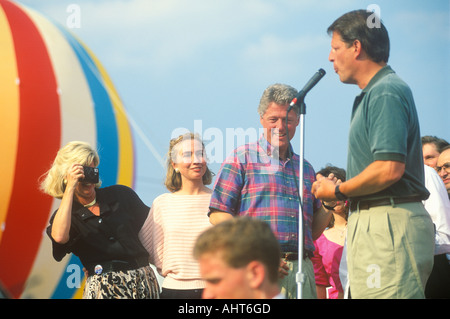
x=226 y=196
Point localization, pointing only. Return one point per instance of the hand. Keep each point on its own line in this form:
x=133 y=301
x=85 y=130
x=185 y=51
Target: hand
x=283 y=270
x=86 y=273
x=74 y=175
x=323 y=188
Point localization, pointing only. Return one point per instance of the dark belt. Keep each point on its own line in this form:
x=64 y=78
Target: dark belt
x=366 y=204
x=116 y=265
x=294 y=256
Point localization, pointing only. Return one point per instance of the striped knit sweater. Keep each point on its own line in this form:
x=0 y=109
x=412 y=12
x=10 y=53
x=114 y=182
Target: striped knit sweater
x=169 y=235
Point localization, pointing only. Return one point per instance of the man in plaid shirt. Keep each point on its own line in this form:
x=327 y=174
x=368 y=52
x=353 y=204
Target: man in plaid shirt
x=258 y=180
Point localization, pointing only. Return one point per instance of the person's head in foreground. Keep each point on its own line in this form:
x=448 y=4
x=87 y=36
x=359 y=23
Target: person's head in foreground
x=239 y=258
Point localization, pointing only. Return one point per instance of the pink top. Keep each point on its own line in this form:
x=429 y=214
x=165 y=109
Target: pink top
x=326 y=260
x=169 y=235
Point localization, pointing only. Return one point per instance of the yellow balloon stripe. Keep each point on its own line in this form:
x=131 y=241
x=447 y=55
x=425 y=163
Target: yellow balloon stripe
x=79 y=293
x=9 y=116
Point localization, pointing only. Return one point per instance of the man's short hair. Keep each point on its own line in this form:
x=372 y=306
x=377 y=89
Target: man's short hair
x=281 y=94
x=440 y=143
x=374 y=38
x=242 y=240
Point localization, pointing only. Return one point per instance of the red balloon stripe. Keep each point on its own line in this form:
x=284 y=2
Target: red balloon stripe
x=38 y=141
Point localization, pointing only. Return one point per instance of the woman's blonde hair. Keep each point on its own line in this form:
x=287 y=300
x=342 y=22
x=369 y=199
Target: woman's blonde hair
x=75 y=152
x=173 y=179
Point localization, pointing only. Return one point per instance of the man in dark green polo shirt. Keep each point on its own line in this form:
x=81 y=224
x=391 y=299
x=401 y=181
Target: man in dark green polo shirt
x=390 y=239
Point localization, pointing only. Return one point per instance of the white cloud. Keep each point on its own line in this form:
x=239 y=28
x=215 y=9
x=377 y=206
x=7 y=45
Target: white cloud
x=272 y=46
x=424 y=26
x=166 y=33
x=276 y=56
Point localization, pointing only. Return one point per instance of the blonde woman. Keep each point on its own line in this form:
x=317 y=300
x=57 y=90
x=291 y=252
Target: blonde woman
x=178 y=217
x=100 y=226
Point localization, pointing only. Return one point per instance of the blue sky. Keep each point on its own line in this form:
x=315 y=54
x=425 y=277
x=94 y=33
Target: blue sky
x=203 y=65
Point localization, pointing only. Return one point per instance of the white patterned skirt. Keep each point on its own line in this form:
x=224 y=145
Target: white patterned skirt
x=138 y=283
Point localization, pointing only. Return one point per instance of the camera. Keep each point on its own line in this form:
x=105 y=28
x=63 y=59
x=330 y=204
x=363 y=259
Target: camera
x=90 y=175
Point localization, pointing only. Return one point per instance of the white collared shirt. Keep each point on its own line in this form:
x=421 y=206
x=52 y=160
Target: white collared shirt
x=438 y=206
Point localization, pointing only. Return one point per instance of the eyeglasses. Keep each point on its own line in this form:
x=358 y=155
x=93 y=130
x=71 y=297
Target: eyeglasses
x=446 y=168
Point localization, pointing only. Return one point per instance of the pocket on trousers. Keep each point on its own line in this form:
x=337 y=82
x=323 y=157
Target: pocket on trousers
x=381 y=231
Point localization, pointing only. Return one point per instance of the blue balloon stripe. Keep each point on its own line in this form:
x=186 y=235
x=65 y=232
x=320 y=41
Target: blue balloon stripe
x=64 y=289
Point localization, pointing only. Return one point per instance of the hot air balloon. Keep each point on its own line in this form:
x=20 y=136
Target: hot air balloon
x=52 y=90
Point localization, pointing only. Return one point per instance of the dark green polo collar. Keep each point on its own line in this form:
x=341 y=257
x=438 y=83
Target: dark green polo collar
x=380 y=74
x=377 y=77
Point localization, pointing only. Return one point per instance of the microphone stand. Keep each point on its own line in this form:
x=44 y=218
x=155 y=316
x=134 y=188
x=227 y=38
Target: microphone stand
x=300 y=278
x=300 y=101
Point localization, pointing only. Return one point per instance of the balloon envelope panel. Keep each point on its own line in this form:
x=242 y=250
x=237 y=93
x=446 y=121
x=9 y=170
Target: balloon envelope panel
x=54 y=90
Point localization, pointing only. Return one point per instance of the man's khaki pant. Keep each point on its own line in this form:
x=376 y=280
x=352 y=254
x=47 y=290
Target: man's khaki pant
x=390 y=251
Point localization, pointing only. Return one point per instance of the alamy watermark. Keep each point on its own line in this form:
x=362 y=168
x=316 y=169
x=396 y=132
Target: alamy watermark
x=73 y=20
x=73 y=280
x=374 y=20
x=374 y=279
x=220 y=145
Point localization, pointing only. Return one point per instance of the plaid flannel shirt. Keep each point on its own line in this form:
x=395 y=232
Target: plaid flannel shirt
x=254 y=182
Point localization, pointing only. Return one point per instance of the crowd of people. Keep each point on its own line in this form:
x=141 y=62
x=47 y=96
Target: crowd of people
x=379 y=229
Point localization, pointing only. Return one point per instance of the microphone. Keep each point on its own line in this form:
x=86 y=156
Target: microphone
x=311 y=83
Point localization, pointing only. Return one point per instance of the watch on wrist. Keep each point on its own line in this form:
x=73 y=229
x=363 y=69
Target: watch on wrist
x=338 y=193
